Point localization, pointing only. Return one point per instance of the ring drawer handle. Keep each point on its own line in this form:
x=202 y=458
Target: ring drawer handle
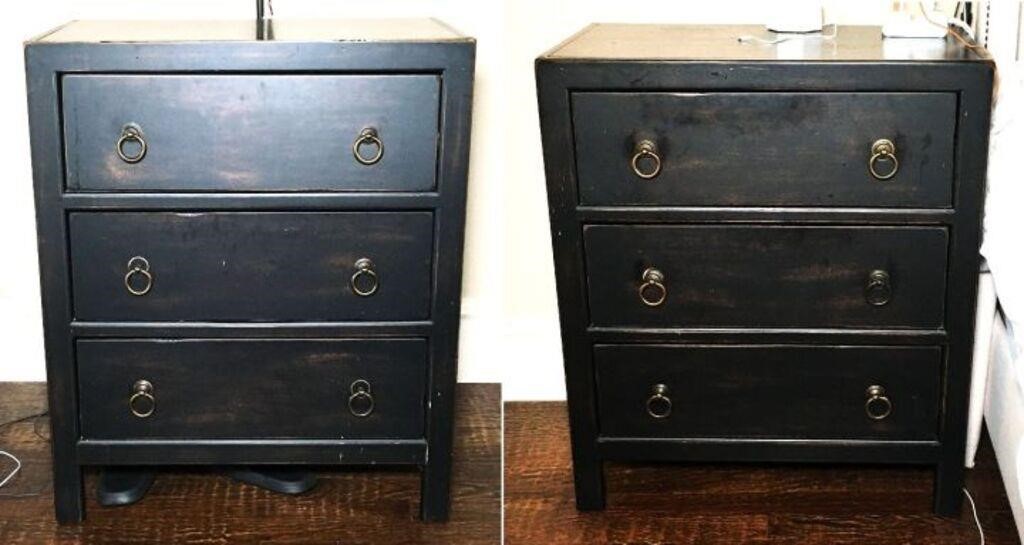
x=360 y=403
x=883 y=149
x=138 y=266
x=878 y=406
x=142 y=394
x=131 y=133
x=648 y=149
x=365 y=273
x=368 y=136
x=659 y=405
x=878 y=291
x=652 y=288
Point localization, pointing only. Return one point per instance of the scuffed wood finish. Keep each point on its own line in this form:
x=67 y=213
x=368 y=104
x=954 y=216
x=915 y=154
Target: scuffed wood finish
x=251 y=133
x=202 y=388
x=761 y=149
x=669 y=42
x=284 y=30
x=771 y=276
x=362 y=505
x=253 y=127
x=690 y=504
x=812 y=228
x=263 y=266
x=792 y=392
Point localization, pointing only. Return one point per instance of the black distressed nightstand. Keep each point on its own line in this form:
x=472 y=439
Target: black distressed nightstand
x=251 y=249
x=765 y=252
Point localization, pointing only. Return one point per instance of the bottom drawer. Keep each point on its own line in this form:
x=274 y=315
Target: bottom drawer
x=786 y=392
x=251 y=389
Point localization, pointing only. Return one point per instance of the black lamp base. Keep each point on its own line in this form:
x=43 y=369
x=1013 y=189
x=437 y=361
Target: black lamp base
x=123 y=485
x=280 y=480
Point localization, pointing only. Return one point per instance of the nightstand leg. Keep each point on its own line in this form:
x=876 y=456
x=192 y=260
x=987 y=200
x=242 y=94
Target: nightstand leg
x=68 y=493
x=589 y=476
x=949 y=483
x=435 y=488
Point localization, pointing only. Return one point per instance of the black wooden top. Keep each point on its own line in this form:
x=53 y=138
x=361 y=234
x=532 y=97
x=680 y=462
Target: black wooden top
x=283 y=30
x=722 y=43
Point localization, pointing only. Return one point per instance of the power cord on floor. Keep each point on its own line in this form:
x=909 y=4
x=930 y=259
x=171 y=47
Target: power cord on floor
x=17 y=467
x=974 y=511
x=17 y=462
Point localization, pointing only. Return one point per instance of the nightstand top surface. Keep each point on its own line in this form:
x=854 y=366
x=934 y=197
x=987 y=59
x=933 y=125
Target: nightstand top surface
x=283 y=30
x=623 y=42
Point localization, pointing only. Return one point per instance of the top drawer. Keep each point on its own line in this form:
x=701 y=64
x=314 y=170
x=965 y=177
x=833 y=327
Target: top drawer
x=251 y=132
x=764 y=149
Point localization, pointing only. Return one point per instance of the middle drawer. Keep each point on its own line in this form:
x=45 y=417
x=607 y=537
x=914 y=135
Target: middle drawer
x=252 y=266
x=766 y=276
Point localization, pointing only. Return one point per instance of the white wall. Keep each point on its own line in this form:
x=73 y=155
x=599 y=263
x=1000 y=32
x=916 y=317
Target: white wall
x=510 y=326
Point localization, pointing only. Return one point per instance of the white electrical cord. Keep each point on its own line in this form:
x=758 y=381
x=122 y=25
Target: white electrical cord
x=17 y=467
x=17 y=462
x=952 y=21
x=788 y=37
x=974 y=510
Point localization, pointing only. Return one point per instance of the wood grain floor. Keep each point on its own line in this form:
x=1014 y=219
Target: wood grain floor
x=731 y=504
x=353 y=507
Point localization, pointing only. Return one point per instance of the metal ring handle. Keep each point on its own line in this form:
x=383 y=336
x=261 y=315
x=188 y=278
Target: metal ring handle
x=652 y=280
x=368 y=136
x=131 y=133
x=878 y=291
x=364 y=269
x=883 y=149
x=142 y=389
x=138 y=265
x=646 y=148
x=876 y=397
x=360 y=393
x=659 y=405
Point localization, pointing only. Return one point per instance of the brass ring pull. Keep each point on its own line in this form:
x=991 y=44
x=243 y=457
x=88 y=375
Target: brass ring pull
x=878 y=406
x=138 y=265
x=646 y=148
x=142 y=392
x=883 y=149
x=360 y=403
x=652 y=289
x=364 y=274
x=131 y=133
x=878 y=291
x=659 y=405
x=368 y=136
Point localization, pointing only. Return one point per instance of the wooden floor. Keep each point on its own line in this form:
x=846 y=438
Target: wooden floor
x=353 y=507
x=731 y=504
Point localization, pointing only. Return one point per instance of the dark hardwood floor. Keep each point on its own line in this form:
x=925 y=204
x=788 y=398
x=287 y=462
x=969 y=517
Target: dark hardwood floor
x=731 y=504
x=353 y=506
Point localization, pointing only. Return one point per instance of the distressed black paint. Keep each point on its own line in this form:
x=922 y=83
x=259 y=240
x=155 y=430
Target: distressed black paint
x=643 y=71
x=251 y=389
x=766 y=149
x=263 y=266
x=251 y=132
x=282 y=151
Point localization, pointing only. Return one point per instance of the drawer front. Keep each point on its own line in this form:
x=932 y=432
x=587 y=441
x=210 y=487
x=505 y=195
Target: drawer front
x=250 y=133
x=786 y=392
x=764 y=149
x=251 y=389
x=766 y=276
x=260 y=266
